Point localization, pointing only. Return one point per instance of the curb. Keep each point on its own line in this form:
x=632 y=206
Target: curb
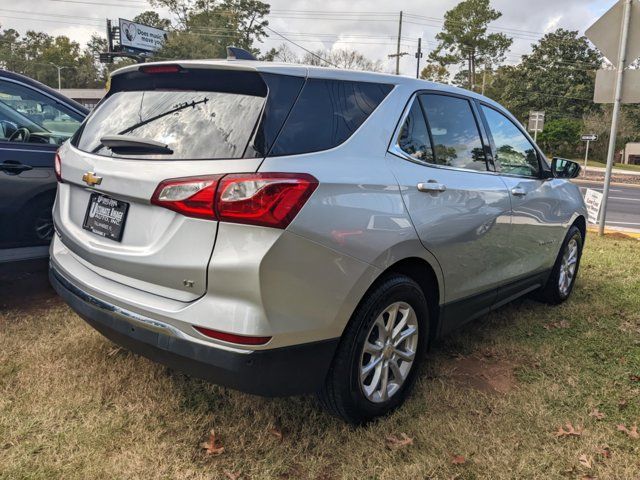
x=610 y=231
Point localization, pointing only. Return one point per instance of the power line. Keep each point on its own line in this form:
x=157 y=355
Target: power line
x=300 y=46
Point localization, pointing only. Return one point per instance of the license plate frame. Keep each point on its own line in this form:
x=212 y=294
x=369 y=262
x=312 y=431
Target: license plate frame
x=106 y=216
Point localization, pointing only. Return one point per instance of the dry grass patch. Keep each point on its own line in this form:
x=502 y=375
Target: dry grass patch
x=488 y=404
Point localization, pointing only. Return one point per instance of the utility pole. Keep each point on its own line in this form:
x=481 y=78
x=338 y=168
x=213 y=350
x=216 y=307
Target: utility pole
x=59 y=77
x=622 y=58
x=398 y=48
x=418 y=57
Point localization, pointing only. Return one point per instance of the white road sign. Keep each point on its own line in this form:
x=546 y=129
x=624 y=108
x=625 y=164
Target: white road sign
x=593 y=200
x=606 y=32
x=592 y=137
x=141 y=37
x=605 y=90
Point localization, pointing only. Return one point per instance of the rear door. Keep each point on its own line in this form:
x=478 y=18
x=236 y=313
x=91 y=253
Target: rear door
x=459 y=207
x=32 y=126
x=211 y=122
x=538 y=213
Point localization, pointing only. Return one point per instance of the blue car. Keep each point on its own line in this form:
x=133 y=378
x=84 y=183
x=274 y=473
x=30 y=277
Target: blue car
x=34 y=121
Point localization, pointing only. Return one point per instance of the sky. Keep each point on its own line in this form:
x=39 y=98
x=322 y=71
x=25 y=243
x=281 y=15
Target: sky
x=370 y=26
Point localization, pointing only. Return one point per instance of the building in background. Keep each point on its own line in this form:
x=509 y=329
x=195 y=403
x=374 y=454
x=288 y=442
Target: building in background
x=88 y=97
x=631 y=154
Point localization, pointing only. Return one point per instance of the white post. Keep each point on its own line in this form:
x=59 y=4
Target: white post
x=622 y=57
x=535 y=129
x=59 y=81
x=586 y=159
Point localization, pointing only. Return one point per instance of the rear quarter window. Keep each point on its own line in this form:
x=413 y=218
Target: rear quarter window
x=326 y=114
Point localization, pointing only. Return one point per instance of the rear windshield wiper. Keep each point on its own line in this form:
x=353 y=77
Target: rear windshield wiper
x=126 y=144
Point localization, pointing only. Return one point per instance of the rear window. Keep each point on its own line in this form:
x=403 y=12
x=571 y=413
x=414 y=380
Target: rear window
x=326 y=114
x=195 y=125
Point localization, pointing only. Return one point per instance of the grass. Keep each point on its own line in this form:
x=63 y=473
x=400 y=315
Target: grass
x=74 y=406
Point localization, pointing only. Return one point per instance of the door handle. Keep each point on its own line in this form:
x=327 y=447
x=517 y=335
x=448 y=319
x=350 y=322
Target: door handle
x=14 y=167
x=518 y=192
x=432 y=187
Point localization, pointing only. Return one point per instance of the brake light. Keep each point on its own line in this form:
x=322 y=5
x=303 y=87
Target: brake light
x=161 y=69
x=57 y=167
x=232 y=338
x=192 y=196
x=267 y=199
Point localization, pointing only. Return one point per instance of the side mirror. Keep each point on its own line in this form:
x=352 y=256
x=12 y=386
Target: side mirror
x=563 y=168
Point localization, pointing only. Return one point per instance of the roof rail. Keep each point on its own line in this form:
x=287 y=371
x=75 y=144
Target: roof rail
x=235 y=53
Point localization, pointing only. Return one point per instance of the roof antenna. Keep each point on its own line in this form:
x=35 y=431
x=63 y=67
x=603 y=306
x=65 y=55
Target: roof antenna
x=235 y=53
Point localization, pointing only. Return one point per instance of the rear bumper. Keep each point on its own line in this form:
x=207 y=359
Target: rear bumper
x=281 y=371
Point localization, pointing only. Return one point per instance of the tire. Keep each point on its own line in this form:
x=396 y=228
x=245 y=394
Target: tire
x=557 y=291
x=358 y=400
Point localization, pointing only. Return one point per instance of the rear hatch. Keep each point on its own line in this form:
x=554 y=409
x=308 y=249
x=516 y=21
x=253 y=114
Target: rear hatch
x=162 y=122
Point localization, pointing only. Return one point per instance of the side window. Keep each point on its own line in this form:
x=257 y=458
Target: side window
x=326 y=114
x=414 y=136
x=455 y=133
x=30 y=117
x=514 y=152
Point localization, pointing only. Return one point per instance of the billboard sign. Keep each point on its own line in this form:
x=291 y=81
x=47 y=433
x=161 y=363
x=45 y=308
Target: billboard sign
x=141 y=37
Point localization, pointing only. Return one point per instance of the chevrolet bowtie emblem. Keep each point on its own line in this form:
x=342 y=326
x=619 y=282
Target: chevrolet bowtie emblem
x=91 y=179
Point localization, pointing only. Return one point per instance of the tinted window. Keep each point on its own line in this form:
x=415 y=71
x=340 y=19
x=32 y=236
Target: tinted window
x=27 y=115
x=194 y=124
x=454 y=131
x=326 y=114
x=514 y=152
x=414 y=136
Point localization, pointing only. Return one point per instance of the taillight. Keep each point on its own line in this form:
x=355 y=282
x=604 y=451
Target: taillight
x=161 y=69
x=232 y=338
x=57 y=167
x=192 y=196
x=267 y=199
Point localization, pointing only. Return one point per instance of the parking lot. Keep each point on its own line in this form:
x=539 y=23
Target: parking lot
x=490 y=403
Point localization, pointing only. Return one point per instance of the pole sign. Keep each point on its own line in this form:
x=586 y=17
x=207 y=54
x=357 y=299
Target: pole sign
x=589 y=138
x=593 y=201
x=141 y=37
x=536 y=121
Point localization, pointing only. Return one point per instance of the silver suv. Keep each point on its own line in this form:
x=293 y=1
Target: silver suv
x=286 y=229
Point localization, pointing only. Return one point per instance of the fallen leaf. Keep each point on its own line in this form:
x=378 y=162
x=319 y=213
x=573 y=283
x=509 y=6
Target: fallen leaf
x=232 y=475
x=213 y=445
x=634 y=378
x=585 y=461
x=276 y=432
x=554 y=325
x=597 y=414
x=114 y=351
x=605 y=451
x=587 y=477
x=394 y=442
x=622 y=404
x=631 y=432
x=569 y=432
x=458 y=460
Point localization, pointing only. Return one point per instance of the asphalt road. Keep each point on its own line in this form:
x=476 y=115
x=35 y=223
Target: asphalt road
x=623 y=208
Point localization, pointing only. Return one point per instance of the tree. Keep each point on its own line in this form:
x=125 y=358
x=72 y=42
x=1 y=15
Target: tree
x=152 y=19
x=435 y=72
x=557 y=77
x=205 y=28
x=560 y=136
x=464 y=39
x=342 y=58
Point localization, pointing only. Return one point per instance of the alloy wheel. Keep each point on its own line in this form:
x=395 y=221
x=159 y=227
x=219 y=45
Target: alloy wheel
x=389 y=352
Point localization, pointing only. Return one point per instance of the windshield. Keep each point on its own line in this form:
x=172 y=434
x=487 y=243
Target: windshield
x=193 y=124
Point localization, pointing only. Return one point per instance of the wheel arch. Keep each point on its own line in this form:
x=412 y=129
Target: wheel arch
x=581 y=223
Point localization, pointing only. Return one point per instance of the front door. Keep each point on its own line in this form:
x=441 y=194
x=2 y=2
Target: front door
x=459 y=206
x=538 y=220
